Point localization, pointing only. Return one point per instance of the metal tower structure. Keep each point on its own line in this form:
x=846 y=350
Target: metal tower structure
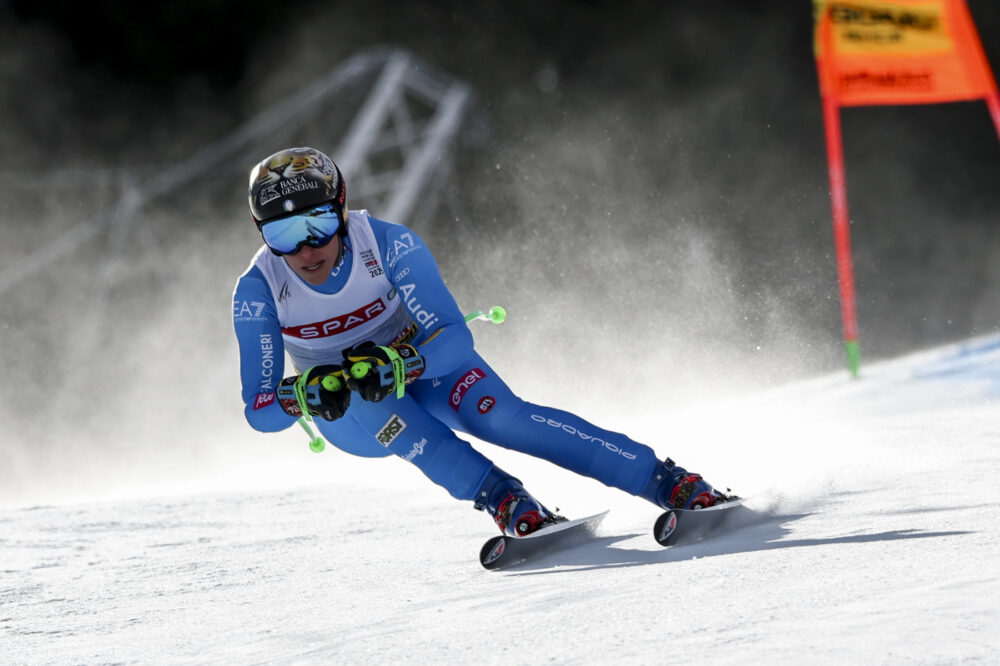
x=398 y=145
x=396 y=155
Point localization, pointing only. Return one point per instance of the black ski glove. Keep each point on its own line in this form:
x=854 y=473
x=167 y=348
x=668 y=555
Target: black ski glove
x=377 y=372
x=321 y=388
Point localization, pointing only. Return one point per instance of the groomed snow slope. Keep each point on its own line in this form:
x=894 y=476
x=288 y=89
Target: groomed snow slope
x=880 y=546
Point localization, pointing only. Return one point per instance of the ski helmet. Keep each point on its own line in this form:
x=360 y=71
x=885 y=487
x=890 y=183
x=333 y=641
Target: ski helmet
x=295 y=179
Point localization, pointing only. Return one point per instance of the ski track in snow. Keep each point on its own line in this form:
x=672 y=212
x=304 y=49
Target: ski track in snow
x=877 y=543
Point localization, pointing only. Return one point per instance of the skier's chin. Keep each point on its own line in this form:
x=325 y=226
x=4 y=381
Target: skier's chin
x=314 y=274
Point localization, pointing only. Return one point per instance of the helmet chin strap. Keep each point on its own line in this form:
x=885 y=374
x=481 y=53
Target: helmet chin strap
x=342 y=250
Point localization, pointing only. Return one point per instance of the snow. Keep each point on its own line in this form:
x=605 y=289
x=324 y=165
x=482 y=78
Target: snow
x=879 y=545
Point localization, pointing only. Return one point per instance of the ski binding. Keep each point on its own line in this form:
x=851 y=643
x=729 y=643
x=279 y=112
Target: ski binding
x=504 y=551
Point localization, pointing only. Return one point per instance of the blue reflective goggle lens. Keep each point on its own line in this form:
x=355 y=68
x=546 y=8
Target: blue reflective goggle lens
x=314 y=227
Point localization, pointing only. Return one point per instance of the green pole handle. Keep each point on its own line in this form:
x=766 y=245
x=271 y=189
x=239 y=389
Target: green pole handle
x=361 y=369
x=398 y=370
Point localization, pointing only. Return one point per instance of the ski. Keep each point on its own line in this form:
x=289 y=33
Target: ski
x=505 y=551
x=679 y=526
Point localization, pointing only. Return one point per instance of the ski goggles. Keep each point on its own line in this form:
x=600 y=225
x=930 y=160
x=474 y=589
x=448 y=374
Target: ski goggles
x=314 y=227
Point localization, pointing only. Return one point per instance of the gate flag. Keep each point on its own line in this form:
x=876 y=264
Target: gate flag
x=871 y=52
x=900 y=52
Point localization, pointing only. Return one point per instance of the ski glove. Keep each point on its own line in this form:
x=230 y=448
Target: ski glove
x=377 y=372
x=321 y=388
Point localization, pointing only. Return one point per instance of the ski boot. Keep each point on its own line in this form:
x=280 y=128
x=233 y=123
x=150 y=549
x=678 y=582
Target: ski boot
x=673 y=487
x=515 y=511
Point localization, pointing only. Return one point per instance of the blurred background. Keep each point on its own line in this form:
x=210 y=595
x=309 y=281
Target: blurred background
x=642 y=185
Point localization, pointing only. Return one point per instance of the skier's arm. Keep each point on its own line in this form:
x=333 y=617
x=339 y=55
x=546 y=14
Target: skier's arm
x=443 y=338
x=262 y=352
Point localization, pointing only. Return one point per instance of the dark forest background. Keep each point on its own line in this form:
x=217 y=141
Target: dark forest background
x=715 y=97
x=642 y=185
x=641 y=180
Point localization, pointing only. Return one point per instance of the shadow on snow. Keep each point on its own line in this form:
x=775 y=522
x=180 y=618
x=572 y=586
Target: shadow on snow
x=765 y=532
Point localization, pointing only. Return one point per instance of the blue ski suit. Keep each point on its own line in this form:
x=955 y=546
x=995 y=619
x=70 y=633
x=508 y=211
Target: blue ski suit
x=458 y=391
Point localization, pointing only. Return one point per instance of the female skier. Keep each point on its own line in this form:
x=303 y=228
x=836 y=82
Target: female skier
x=386 y=361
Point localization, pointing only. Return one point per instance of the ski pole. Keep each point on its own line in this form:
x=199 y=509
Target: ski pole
x=360 y=370
x=330 y=383
x=316 y=443
x=495 y=314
